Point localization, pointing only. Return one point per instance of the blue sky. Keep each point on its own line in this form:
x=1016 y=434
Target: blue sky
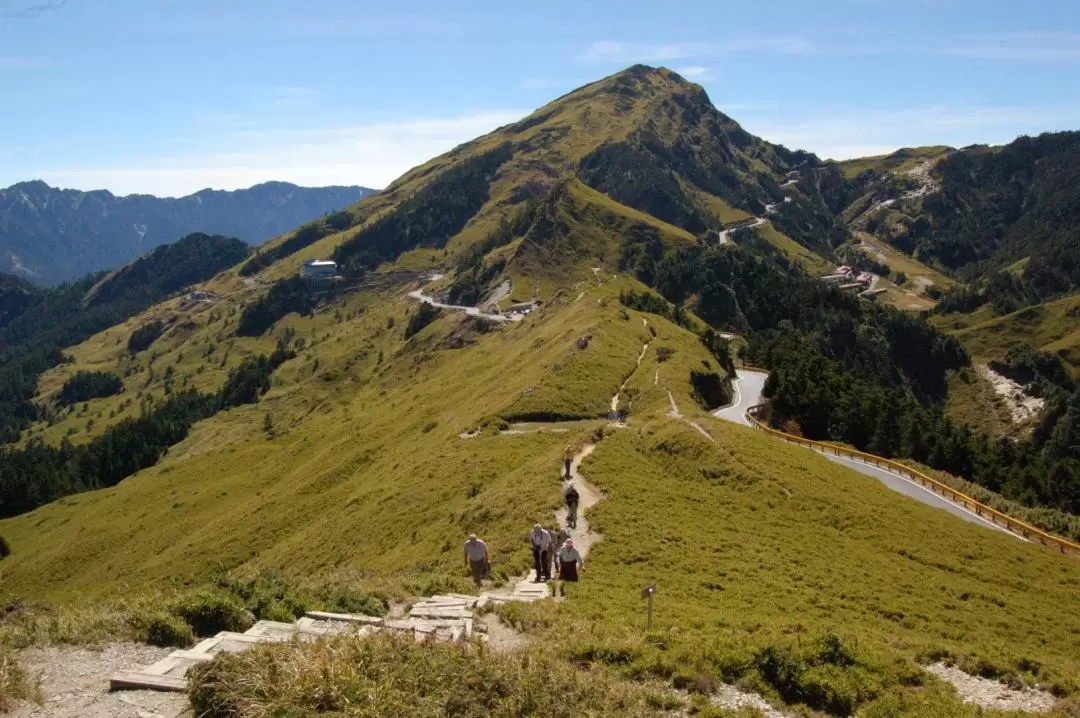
x=171 y=96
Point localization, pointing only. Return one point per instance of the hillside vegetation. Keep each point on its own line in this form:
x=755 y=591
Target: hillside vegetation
x=48 y=321
x=346 y=437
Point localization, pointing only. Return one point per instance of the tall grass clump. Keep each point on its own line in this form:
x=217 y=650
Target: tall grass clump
x=15 y=684
x=396 y=676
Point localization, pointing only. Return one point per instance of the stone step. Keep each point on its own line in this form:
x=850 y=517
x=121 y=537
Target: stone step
x=344 y=617
x=146 y=682
x=272 y=628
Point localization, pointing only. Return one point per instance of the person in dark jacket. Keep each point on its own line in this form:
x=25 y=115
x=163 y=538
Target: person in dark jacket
x=572 y=497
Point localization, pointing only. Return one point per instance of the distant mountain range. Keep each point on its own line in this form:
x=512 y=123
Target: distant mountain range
x=50 y=235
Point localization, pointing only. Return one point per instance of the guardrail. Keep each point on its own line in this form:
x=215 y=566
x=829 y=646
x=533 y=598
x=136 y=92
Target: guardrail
x=996 y=517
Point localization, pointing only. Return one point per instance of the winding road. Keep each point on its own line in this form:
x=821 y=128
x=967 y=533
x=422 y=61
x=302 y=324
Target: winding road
x=748 y=387
x=419 y=295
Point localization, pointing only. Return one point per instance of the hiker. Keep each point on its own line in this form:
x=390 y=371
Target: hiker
x=560 y=539
x=476 y=558
x=568 y=458
x=571 y=495
x=569 y=563
x=541 y=548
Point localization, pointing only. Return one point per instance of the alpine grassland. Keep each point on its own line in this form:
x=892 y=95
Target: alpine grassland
x=1051 y=326
x=352 y=438
x=779 y=571
x=899 y=161
x=362 y=426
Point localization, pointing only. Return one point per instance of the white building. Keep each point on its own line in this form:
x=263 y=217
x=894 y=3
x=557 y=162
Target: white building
x=319 y=269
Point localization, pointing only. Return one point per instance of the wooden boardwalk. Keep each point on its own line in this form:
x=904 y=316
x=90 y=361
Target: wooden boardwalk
x=445 y=617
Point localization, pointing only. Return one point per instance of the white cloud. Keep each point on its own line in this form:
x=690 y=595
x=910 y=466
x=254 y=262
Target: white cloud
x=1016 y=46
x=854 y=132
x=694 y=72
x=372 y=155
x=608 y=51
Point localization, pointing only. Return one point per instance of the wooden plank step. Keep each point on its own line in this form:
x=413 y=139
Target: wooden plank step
x=146 y=682
x=344 y=617
x=440 y=613
x=271 y=628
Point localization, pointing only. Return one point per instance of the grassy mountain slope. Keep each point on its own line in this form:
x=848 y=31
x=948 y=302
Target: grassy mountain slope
x=362 y=472
x=1051 y=326
x=698 y=164
x=48 y=321
x=383 y=441
x=363 y=428
x=899 y=162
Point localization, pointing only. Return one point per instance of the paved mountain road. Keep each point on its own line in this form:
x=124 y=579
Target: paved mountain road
x=748 y=387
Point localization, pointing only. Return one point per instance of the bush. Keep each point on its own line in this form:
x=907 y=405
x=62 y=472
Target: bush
x=824 y=674
x=424 y=315
x=163 y=629
x=144 y=336
x=710 y=389
x=342 y=599
x=269 y=595
x=211 y=612
x=5 y=548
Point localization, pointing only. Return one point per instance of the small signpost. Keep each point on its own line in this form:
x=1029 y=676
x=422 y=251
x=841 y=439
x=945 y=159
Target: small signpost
x=647 y=593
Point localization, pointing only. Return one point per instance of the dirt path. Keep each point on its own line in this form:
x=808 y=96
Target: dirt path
x=584 y=537
x=75 y=684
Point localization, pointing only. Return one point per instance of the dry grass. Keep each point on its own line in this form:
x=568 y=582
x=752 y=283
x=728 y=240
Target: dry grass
x=15 y=684
x=387 y=675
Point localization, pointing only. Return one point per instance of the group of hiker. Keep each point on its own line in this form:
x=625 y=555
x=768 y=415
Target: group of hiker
x=552 y=547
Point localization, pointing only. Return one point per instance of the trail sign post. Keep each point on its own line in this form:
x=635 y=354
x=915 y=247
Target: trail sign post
x=647 y=593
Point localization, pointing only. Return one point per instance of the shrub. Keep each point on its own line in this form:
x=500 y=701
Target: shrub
x=210 y=612
x=162 y=629
x=346 y=600
x=144 y=336
x=710 y=390
x=5 y=548
x=425 y=314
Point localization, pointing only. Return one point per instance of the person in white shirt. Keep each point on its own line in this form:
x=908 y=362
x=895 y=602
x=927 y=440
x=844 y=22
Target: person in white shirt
x=476 y=558
x=570 y=561
x=541 y=548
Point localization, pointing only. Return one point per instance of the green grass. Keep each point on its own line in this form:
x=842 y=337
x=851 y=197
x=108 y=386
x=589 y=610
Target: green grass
x=592 y=230
x=813 y=263
x=775 y=569
x=364 y=452
x=899 y=161
x=918 y=274
x=386 y=675
x=759 y=549
x=972 y=401
x=1052 y=327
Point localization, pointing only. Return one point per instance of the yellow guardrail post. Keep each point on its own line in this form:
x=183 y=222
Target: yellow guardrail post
x=993 y=515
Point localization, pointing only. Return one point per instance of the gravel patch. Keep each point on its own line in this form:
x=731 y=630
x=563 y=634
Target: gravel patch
x=1020 y=405
x=987 y=693
x=75 y=683
x=732 y=698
